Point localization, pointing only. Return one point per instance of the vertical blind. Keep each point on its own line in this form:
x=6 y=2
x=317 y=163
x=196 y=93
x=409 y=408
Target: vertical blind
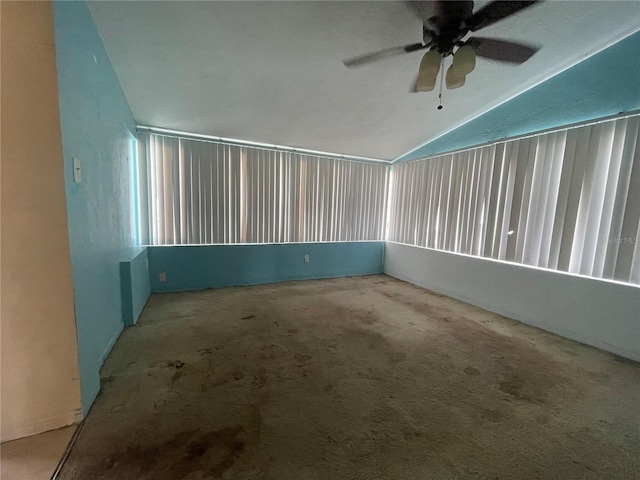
x=201 y=192
x=567 y=200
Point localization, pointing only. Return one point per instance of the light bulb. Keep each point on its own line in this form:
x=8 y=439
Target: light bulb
x=428 y=72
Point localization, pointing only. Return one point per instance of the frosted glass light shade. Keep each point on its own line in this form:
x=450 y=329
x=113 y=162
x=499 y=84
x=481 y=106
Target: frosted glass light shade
x=454 y=79
x=464 y=60
x=429 y=68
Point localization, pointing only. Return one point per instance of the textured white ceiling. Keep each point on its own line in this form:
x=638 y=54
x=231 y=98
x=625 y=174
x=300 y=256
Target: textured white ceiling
x=272 y=72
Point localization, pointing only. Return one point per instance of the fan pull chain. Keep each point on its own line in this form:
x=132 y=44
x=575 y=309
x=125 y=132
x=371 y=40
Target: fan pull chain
x=441 y=81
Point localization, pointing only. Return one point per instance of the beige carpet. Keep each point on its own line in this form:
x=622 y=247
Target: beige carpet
x=353 y=378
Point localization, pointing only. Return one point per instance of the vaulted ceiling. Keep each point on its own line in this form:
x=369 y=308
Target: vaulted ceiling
x=272 y=72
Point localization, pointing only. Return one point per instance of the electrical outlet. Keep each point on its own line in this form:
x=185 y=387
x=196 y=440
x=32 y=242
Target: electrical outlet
x=306 y=259
x=163 y=277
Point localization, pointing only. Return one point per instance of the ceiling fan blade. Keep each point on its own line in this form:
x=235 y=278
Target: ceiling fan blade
x=387 y=52
x=502 y=50
x=421 y=9
x=494 y=12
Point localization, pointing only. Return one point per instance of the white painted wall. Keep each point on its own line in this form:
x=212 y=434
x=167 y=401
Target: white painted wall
x=599 y=313
x=39 y=356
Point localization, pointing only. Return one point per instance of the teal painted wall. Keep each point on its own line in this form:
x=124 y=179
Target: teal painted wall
x=96 y=128
x=603 y=85
x=215 y=266
x=135 y=284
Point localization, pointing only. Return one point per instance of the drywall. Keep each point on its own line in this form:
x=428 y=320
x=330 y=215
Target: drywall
x=603 y=85
x=39 y=359
x=96 y=129
x=599 y=313
x=214 y=266
x=135 y=286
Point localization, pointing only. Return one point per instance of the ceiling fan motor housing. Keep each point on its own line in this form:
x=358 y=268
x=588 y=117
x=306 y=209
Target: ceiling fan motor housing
x=444 y=39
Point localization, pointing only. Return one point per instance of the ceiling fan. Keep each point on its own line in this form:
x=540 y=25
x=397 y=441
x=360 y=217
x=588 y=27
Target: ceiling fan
x=443 y=34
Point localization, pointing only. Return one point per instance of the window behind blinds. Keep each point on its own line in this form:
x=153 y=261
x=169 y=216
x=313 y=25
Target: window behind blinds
x=567 y=200
x=201 y=192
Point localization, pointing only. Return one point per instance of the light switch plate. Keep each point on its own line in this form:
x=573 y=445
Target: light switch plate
x=77 y=172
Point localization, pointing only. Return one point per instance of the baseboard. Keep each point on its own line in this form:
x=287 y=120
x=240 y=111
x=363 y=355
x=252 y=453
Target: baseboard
x=571 y=335
x=112 y=342
x=196 y=288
